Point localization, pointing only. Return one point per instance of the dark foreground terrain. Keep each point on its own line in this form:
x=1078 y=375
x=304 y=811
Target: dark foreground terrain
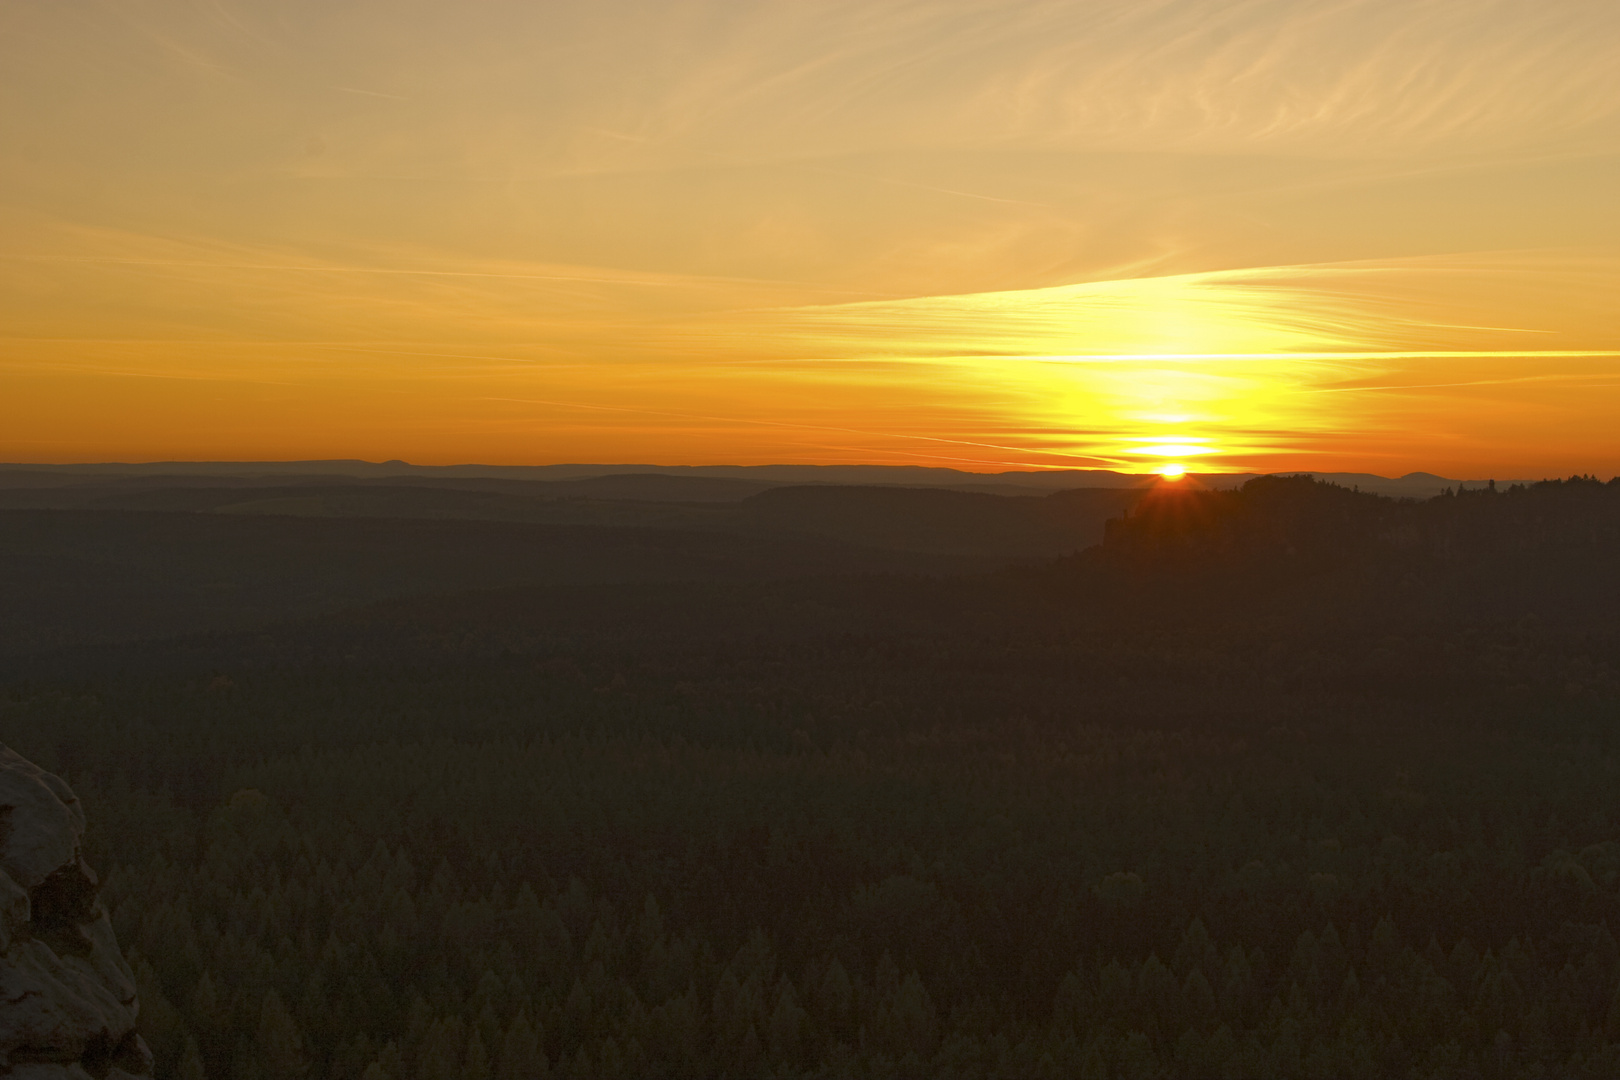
x=1290 y=781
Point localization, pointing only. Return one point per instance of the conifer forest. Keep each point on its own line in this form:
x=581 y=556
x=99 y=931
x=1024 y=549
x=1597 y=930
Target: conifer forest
x=1286 y=781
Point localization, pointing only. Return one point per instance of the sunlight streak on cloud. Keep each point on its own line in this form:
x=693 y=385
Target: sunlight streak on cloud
x=769 y=229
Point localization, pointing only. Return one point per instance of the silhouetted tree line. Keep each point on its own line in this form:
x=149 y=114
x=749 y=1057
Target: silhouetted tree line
x=1282 y=519
x=880 y=828
x=1291 y=542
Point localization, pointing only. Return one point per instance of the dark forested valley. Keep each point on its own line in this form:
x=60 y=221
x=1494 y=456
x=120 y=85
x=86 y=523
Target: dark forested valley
x=1285 y=781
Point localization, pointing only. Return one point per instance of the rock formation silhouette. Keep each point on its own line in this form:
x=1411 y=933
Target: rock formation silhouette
x=67 y=996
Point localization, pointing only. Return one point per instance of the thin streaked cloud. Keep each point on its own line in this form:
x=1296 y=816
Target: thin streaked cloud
x=1347 y=231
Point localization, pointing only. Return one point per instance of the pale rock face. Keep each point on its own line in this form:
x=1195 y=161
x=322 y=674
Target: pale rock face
x=67 y=998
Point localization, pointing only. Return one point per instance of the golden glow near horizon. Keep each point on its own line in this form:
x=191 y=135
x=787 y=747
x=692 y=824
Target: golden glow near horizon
x=1376 y=236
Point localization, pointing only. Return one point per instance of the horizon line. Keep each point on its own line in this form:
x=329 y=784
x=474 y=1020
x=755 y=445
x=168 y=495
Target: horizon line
x=1031 y=470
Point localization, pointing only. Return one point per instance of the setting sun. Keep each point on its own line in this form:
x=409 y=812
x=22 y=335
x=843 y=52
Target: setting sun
x=880 y=518
x=748 y=234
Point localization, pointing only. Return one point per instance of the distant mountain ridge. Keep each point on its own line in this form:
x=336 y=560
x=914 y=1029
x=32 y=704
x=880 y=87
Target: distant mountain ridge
x=754 y=478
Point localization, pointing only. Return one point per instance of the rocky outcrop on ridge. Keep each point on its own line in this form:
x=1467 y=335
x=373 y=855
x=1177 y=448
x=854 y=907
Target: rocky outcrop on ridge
x=67 y=997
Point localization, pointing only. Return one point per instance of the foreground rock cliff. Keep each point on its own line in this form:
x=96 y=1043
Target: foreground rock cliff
x=67 y=998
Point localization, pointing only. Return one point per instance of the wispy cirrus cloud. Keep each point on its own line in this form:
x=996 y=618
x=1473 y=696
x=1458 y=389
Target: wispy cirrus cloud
x=1028 y=226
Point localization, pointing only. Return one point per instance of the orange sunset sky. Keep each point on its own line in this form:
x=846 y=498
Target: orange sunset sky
x=1371 y=235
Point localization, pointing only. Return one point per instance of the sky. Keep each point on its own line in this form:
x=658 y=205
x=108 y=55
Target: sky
x=1329 y=235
